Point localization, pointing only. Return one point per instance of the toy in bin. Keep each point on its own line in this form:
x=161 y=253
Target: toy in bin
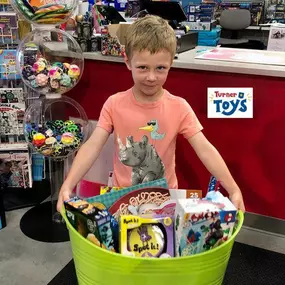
x=94 y=222
x=203 y=224
x=149 y=236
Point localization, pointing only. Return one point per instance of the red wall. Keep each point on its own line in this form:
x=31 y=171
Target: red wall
x=252 y=148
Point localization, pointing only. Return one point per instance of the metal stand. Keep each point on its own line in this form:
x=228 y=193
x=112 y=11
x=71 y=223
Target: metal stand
x=43 y=222
x=56 y=179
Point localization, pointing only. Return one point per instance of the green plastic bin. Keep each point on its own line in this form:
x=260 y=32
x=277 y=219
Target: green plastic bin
x=96 y=266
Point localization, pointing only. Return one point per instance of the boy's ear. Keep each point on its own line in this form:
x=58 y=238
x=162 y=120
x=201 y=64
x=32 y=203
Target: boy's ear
x=127 y=62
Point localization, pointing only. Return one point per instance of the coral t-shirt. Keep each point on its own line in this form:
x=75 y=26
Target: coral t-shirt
x=145 y=136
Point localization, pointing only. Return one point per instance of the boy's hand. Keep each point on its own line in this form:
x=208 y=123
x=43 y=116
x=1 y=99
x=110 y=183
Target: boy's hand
x=64 y=194
x=237 y=200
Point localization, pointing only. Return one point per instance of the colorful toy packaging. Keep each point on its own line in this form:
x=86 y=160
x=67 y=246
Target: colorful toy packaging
x=203 y=224
x=113 y=40
x=152 y=221
x=94 y=222
x=148 y=236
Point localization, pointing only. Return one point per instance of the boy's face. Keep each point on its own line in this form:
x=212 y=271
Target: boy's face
x=149 y=71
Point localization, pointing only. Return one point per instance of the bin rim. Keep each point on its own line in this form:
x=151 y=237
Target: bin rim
x=240 y=218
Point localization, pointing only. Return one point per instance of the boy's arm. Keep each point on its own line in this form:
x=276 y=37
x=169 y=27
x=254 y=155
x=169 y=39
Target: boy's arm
x=83 y=161
x=215 y=164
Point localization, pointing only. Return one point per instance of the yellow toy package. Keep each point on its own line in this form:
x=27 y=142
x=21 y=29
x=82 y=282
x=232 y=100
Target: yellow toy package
x=150 y=236
x=107 y=189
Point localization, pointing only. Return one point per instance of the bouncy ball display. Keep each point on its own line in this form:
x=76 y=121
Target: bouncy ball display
x=52 y=133
x=50 y=61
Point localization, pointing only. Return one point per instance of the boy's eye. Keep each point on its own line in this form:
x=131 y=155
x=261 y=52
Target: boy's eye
x=142 y=67
x=161 y=67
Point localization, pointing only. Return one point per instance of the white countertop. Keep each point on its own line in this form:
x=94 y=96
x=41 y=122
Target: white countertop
x=187 y=60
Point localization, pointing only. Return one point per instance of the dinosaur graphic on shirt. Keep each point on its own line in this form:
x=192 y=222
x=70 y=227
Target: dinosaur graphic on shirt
x=143 y=158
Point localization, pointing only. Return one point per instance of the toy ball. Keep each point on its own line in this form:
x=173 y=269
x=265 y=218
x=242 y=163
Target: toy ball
x=54 y=84
x=73 y=129
x=46 y=151
x=74 y=71
x=76 y=143
x=41 y=80
x=69 y=123
x=59 y=123
x=67 y=138
x=66 y=67
x=28 y=127
x=58 y=151
x=58 y=64
x=50 y=141
x=39 y=66
x=34 y=83
x=49 y=133
x=80 y=136
x=65 y=80
x=55 y=73
x=28 y=72
x=39 y=139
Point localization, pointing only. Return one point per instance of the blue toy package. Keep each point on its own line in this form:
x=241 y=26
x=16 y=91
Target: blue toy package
x=203 y=224
x=208 y=42
x=209 y=35
x=93 y=222
x=214 y=184
x=202 y=17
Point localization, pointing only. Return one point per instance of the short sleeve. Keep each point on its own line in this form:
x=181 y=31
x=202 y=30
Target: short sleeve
x=105 y=120
x=190 y=124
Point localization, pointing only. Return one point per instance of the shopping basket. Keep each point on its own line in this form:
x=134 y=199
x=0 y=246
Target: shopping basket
x=96 y=266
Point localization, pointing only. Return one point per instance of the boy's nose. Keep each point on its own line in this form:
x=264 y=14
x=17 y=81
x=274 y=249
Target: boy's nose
x=151 y=76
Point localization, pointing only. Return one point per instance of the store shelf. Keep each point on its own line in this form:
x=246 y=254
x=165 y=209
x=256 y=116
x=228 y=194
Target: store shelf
x=259 y=28
x=13 y=146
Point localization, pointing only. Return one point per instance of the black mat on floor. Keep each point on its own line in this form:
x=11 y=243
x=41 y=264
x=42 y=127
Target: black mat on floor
x=38 y=225
x=17 y=198
x=248 y=266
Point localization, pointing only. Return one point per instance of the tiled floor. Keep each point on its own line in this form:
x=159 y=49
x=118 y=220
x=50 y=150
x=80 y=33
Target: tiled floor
x=24 y=261
x=27 y=262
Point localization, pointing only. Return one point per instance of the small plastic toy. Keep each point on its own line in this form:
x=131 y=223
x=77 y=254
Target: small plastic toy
x=148 y=236
x=203 y=224
x=94 y=222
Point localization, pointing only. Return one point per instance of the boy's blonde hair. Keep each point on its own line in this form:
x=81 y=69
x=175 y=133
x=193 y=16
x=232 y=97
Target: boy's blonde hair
x=150 y=33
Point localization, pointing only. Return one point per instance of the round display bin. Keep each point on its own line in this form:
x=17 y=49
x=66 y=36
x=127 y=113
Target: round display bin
x=50 y=61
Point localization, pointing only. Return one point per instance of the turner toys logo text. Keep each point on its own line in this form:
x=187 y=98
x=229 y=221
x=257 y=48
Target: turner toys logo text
x=230 y=102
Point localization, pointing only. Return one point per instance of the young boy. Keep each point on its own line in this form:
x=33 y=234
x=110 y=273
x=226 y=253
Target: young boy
x=146 y=120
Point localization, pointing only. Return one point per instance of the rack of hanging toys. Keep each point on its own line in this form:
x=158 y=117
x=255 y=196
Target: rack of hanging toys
x=15 y=158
